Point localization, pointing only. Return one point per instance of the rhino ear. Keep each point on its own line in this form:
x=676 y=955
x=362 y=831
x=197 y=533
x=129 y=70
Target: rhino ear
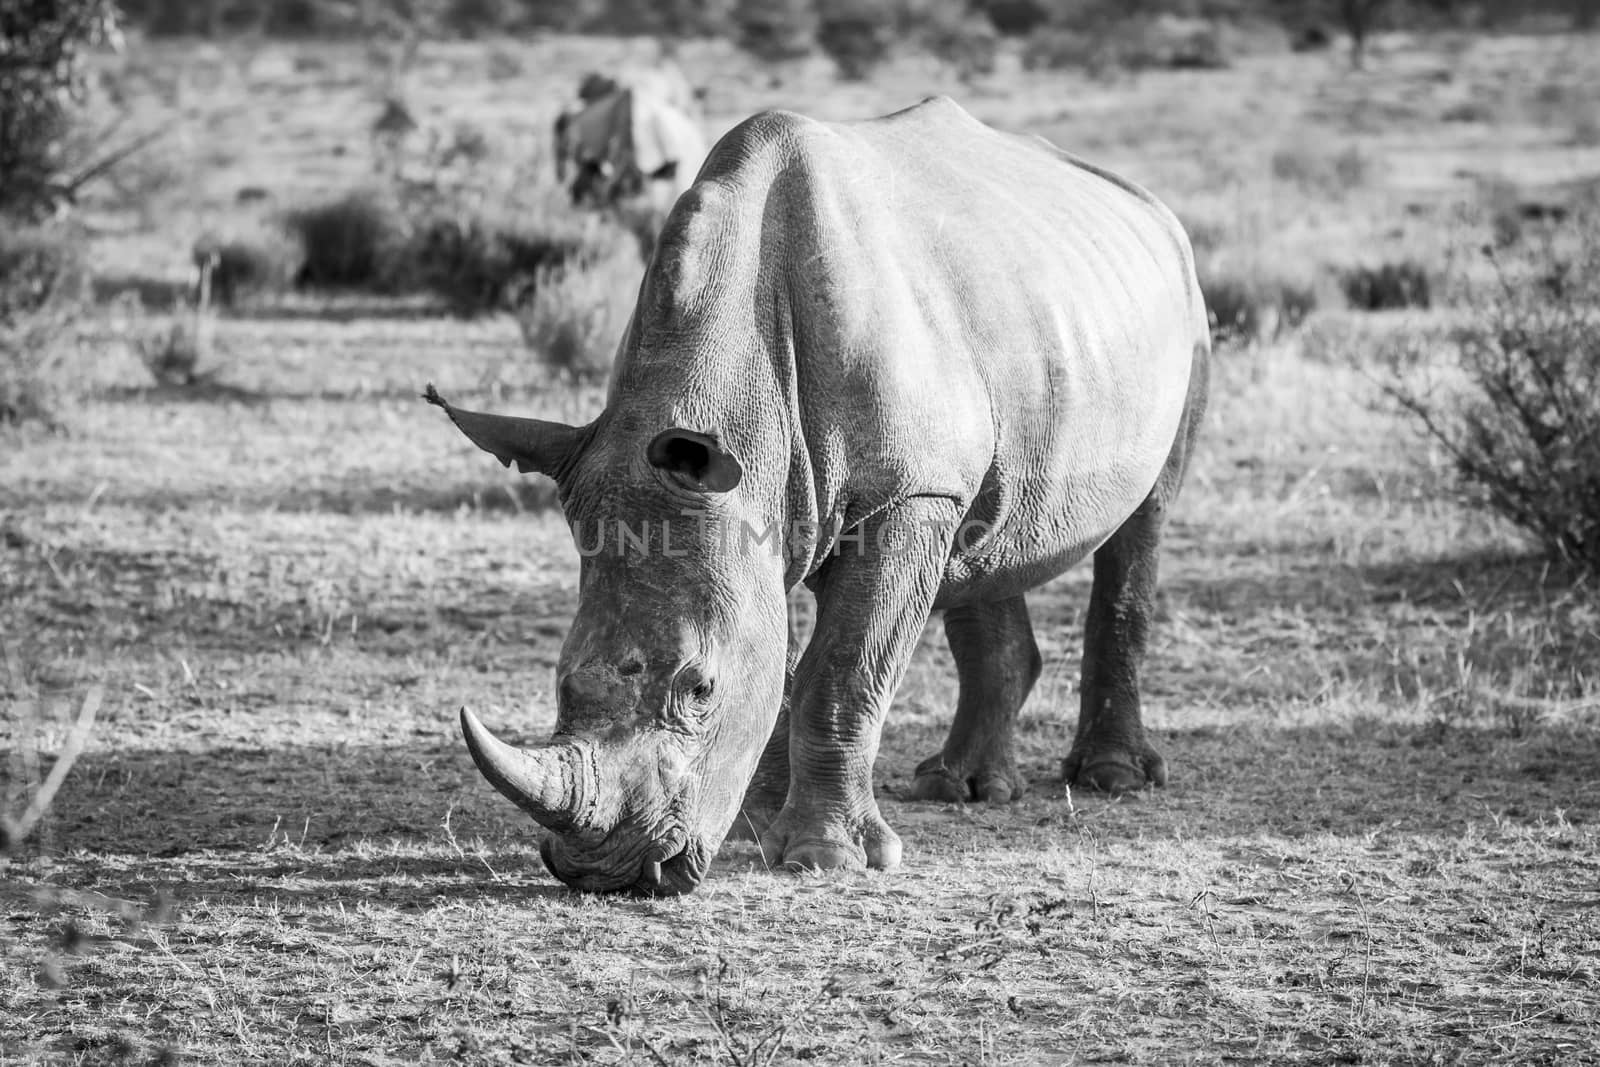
x=534 y=445
x=696 y=460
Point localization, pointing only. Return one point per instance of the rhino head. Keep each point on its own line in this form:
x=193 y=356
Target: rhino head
x=672 y=675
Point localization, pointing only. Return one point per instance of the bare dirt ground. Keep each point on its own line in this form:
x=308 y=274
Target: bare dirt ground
x=1379 y=844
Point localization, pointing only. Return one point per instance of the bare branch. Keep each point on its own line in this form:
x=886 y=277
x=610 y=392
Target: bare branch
x=13 y=831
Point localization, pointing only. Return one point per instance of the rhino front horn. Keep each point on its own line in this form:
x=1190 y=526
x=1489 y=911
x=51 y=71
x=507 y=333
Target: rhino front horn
x=554 y=783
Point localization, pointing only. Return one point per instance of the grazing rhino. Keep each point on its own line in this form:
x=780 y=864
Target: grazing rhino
x=631 y=138
x=916 y=364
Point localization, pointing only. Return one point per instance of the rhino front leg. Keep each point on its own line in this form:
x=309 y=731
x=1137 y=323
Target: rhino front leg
x=997 y=662
x=769 y=786
x=873 y=600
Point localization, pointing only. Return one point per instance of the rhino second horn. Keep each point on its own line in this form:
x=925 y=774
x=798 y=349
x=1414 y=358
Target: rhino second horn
x=549 y=783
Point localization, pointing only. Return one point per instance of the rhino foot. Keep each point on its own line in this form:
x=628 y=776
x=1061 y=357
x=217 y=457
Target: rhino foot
x=1115 y=770
x=998 y=783
x=791 y=843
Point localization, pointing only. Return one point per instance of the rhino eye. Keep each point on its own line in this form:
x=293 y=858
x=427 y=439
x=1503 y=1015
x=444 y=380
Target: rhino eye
x=699 y=686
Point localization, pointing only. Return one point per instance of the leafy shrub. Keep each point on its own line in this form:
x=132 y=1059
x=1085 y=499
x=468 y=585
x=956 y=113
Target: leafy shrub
x=856 y=34
x=473 y=18
x=1059 y=48
x=1468 y=111
x=634 y=18
x=294 y=18
x=41 y=79
x=953 y=33
x=1389 y=286
x=352 y=241
x=575 y=315
x=1016 y=18
x=1246 y=306
x=775 y=30
x=1106 y=37
x=1173 y=43
x=478 y=252
x=485 y=259
x=172 y=348
x=1311 y=37
x=1521 y=420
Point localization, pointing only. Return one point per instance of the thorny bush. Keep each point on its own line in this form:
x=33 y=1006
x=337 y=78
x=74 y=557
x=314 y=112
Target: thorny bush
x=1520 y=415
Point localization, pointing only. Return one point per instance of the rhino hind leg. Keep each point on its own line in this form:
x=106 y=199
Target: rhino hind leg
x=1110 y=751
x=764 y=797
x=997 y=662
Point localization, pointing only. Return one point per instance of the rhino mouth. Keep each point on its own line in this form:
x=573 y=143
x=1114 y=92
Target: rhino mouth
x=667 y=870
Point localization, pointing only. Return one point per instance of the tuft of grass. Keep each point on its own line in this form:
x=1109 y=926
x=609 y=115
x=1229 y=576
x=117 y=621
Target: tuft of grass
x=174 y=349
x=36 y=378
x=1388 y=286
x=43 y=281
x=1346 y=339
x=1206 y=236
x=40 y=266
x=576 y=314
x=1322 y=172
x=246 y=263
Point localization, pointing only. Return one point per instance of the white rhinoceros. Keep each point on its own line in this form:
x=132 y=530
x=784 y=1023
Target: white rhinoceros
x=916 y=364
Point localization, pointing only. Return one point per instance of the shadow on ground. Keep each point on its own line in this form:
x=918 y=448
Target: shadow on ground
x=371 y=806
x=355 y=494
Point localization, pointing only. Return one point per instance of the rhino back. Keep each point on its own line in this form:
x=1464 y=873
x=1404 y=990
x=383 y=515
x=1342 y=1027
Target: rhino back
x=971 y=315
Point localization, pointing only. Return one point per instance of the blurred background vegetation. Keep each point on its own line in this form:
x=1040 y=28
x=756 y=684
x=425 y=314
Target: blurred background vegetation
x=858 y=33
x=808 y=21
x=1291 y=190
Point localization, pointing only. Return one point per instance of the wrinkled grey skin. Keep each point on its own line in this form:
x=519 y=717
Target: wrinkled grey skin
x=952 y=363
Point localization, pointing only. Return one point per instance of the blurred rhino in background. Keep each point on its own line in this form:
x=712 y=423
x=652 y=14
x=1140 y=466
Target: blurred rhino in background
x=632 y=138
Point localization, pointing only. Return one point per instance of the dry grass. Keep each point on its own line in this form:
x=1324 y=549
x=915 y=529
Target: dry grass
x=574 y=316
x=1381 y=713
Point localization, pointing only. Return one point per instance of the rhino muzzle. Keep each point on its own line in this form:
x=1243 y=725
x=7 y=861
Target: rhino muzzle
x=593 y=847
x=671 y=875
